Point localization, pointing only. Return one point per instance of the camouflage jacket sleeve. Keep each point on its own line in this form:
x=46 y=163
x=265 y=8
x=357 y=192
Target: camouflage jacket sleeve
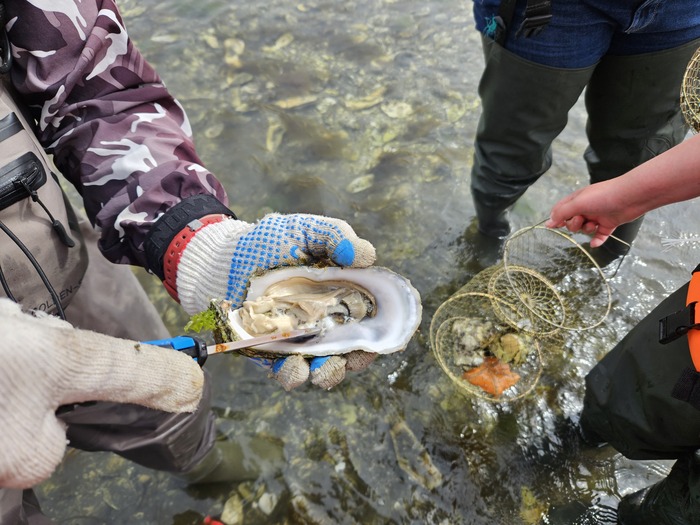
x=114 y=129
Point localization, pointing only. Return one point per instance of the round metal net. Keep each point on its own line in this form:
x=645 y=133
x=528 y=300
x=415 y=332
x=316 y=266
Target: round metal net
x=493 y=335
x=690 y=93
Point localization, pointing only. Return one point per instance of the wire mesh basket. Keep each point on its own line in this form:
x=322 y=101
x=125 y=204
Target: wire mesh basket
x=492 y=336
x=690 y=93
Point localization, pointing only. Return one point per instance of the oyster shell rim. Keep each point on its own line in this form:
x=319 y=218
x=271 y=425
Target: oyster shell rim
x=392 y=331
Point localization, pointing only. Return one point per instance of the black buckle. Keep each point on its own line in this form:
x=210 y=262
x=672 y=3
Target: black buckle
x=677 y=324
x=533 y=25
x=500 y=33
x=538 y=13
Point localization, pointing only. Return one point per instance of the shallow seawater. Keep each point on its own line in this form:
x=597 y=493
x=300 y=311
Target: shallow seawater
x=366 y=110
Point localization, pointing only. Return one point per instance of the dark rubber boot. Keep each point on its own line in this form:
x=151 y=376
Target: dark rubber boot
x=492 y=223
x=589 y=437
x=628 y=400
x=481 y=250
x=668 y=502
x=614 y=248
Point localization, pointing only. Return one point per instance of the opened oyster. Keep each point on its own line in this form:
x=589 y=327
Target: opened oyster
x=371 y=309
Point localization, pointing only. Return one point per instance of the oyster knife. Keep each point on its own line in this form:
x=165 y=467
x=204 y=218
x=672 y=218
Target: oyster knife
x=199 y=351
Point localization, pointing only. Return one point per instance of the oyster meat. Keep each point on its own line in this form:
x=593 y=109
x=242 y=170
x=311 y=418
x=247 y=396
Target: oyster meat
x=372 y=309
x=304 y=303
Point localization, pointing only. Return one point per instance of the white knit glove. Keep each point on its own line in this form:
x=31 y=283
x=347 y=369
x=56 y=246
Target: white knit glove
x=221 y=257
x=46 y=363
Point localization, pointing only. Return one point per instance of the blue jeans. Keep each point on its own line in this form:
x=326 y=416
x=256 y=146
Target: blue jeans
x=581 y=32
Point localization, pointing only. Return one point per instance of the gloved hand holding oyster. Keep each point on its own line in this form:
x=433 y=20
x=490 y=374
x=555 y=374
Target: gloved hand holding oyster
x=362 y=310
x=221 y=258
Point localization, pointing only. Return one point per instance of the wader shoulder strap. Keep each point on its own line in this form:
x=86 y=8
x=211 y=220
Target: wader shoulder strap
x=691 y=302
x=5 y=53
x=538 y=13
x=685 y=322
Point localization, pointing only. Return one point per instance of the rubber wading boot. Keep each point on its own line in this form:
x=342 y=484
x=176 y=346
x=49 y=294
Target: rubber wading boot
x=620 y=245
x=525 y=107
x=237 y=461
x=481 y=250
x=668 y=502
x=492 y=223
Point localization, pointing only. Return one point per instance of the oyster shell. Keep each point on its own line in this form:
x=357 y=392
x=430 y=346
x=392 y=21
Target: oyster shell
x=471 y=337
x=512 y=348
x=372 y=309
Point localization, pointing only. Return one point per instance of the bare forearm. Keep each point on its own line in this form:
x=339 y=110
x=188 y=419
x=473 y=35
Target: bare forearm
x=673 y=176
x=598 y=209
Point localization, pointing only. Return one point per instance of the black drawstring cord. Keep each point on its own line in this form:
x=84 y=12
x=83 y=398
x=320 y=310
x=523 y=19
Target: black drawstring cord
x=37 y=267
x=55 y=224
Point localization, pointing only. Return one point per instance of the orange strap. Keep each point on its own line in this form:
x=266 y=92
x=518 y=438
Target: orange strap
x=694 y=334
x=177 y=246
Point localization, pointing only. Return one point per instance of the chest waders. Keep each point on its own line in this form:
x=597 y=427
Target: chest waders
x=525 y=106
x=633 y=107
x=643 y=398
x=42 y=254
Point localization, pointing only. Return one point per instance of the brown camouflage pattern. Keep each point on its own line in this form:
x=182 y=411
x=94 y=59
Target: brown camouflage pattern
x=115 y=131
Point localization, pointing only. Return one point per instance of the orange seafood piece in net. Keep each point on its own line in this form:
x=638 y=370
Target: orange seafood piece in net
x=492 y=376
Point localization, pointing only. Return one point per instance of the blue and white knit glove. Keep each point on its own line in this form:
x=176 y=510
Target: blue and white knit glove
x=221 y=257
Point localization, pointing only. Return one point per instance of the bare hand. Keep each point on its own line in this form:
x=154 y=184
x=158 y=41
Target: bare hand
x=590 y=210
